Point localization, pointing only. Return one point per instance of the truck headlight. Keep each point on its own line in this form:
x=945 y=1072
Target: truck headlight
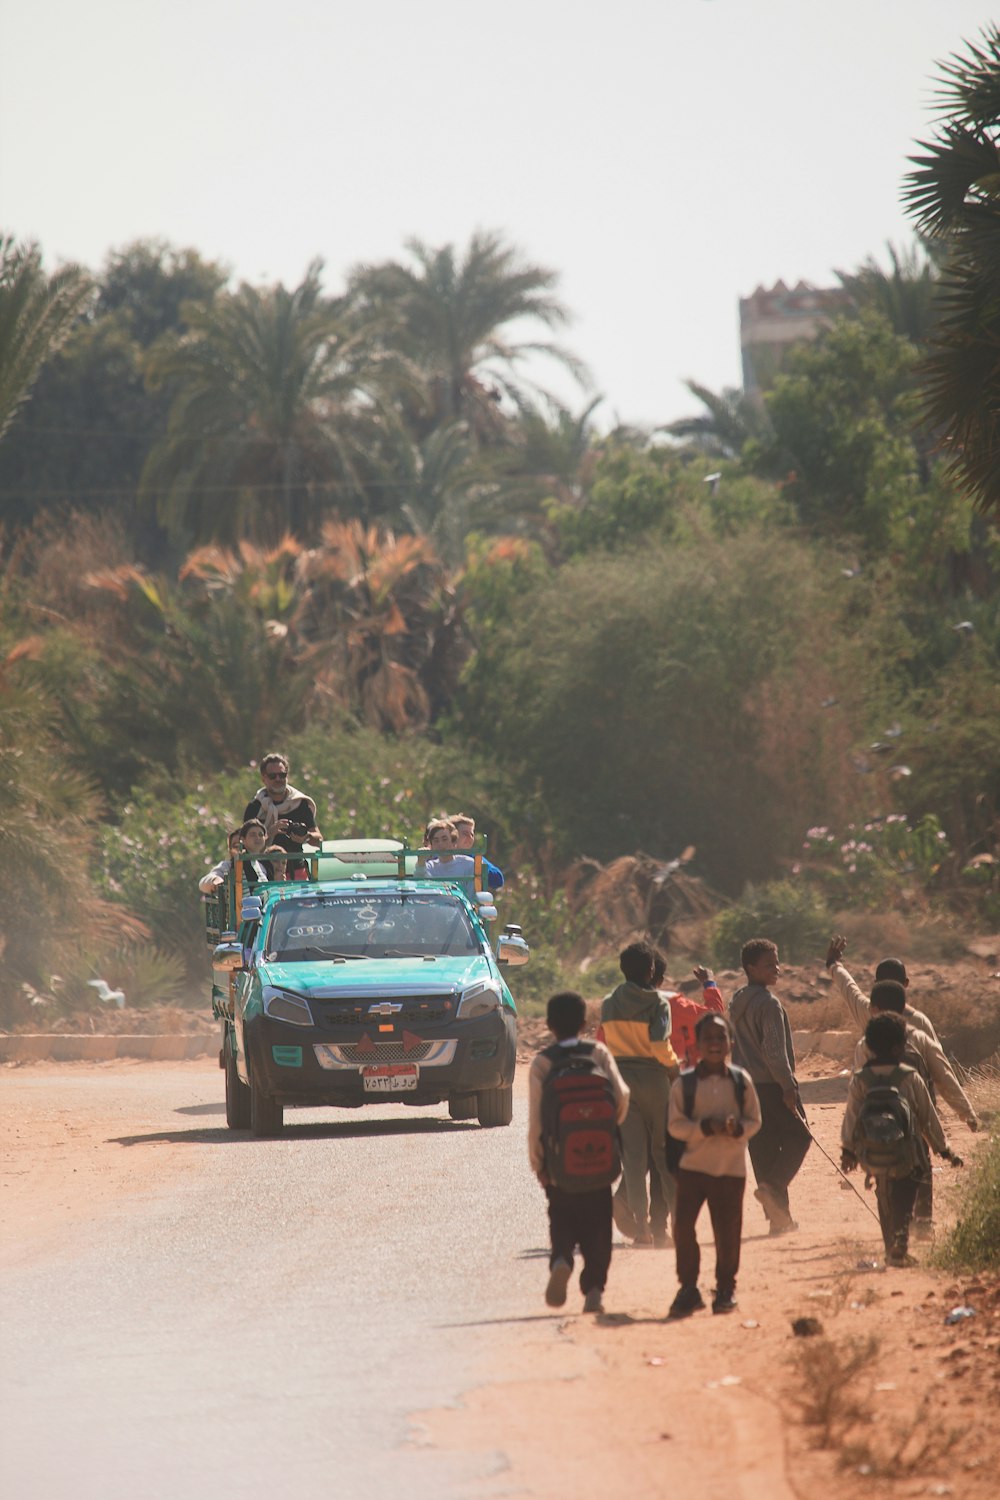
x=479 y=1000
x=282 y=1007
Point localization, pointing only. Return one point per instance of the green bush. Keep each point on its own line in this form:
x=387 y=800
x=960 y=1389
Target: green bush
x=790 y=913
x=612 y=689
x=974 y=1243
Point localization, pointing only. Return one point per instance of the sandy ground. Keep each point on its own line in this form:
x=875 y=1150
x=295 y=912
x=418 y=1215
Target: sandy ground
x=630 y=1403
x=627 y=1403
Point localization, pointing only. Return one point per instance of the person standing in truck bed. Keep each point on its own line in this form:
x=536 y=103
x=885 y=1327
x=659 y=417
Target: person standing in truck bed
x=288 y=815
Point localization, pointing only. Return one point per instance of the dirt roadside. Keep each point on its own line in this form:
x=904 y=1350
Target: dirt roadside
x=628 y=1403
x=56 y=1171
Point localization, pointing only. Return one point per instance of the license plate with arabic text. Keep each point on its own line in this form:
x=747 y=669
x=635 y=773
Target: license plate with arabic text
x=390 y=1078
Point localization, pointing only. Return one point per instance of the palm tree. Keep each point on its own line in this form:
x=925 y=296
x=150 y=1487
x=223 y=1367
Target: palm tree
x=278 y=410
x=372 y=601
x=456 y=318
x=440 y=480
x=953 y=196
x=905 y=295
x=194 y=671
x=546 y=467
x=37 y=314
x=730 y=419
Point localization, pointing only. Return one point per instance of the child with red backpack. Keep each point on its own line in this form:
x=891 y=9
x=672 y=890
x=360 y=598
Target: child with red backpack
x=576 y=1101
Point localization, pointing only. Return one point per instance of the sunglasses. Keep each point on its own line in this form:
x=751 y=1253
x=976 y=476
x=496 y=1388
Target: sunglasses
x=275 y=775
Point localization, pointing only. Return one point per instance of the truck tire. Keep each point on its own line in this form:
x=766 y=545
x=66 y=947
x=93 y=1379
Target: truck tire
x=496 y=1106
x=266 y=1114
x=463 y=1106
x=237 y=1093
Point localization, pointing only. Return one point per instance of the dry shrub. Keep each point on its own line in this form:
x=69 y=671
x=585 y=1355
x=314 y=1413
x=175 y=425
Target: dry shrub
x=637 y=897
x=826 y=1014
x=982 y=1084
x=826 y=1391
x=901 y=1449
x=62 y=551
x=916 y=938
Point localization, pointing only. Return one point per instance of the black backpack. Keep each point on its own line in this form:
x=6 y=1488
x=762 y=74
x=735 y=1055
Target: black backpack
x=689 y=1082
x=884 y=1136
x=579 y=1129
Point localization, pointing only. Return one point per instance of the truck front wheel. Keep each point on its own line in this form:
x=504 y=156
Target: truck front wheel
x=496 y=1106
x=463 y=1106
x=266 y=1114
x=237 y=1093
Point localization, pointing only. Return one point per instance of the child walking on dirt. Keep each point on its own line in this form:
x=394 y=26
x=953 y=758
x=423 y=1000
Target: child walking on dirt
x=888 y=1107
x=575 y=1218
x=762 y=1044
x=891 y=981
x=714 y=1110
x=636 y=1025
x=684 y=1015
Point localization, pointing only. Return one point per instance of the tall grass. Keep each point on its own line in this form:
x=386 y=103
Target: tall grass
x=974 y=1243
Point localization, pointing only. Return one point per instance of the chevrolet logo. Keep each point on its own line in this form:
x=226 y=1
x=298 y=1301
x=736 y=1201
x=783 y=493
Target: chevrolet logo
x=384 y=1008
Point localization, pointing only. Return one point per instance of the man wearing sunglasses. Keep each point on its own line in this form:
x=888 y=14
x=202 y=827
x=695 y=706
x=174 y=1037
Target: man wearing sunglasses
x=288 y=815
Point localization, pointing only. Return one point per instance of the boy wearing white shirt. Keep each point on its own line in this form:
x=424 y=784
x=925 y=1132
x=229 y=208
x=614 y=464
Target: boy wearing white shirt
x=724 y=1113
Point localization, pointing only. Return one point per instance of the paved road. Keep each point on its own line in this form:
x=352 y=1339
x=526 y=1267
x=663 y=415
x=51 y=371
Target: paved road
x=262 y=1324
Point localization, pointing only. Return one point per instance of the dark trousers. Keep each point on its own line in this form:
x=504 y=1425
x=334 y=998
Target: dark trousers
x=582 y=1219
x=895 y=1197
x=780 y=1145
x=724 y=1196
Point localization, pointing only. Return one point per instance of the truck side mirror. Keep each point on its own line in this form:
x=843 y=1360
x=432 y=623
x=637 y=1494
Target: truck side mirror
x=227 y=956
x=511 y=947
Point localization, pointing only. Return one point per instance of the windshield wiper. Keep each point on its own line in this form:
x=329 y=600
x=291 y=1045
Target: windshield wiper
x=298 y=953
x=402 y=953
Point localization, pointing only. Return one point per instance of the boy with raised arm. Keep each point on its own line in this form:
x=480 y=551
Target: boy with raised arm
x=891 y=982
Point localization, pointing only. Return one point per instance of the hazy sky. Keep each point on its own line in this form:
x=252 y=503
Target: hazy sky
x=664 y=156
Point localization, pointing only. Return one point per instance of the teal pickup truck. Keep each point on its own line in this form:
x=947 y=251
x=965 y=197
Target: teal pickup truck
x=368 y=983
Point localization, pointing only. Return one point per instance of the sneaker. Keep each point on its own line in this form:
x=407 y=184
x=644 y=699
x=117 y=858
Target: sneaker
x=724 y=1302
x=622 y=1215
x=555 y=1292
x=592 y=1302
x=900 y=1259
x=782 y=1226
x=688 y=1300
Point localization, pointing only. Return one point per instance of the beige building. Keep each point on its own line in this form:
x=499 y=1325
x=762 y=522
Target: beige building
x=772 y=321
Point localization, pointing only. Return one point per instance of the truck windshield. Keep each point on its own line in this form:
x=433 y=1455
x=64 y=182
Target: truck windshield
x=377 y=924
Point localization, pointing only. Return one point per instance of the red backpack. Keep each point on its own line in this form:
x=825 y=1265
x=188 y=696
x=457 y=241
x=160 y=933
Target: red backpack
x=579 y=1128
